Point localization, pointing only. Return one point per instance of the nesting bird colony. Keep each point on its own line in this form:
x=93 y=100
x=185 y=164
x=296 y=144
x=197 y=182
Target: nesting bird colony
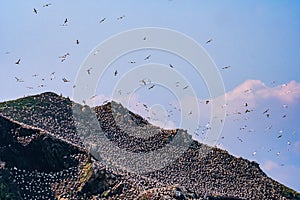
x=45 y=154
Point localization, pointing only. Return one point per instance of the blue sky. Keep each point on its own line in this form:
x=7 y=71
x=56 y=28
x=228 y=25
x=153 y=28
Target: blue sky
x=258 y=39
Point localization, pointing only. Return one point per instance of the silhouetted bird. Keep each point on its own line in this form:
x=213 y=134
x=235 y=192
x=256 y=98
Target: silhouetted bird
x=247 y=111
x=65 y=80
x=34 y=10
x=18 y=79
x=151 y=87
x=266 y=111
x=18 y=62
x=123 y=16
x=148 y=57
x=226 y=67
x=102 y=20
x=208 y=41
x=89 y=70
x=46 y=5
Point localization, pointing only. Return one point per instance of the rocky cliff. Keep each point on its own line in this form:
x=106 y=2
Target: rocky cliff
x=43 y=156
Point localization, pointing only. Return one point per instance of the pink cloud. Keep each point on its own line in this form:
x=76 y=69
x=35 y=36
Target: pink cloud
x=254 y=90
x=269 y=165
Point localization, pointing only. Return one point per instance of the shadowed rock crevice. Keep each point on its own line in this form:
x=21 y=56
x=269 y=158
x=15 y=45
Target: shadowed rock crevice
x=33 y=149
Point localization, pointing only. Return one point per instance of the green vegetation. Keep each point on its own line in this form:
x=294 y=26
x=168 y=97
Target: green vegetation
x=5 y=193
x=86 y=174
x=6 y=190
x=290 y=194
x=27 y=101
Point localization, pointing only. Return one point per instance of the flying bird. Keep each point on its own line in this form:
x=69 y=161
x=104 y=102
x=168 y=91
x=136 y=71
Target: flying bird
x=46 y=5
x=131 y=62
x=65 y=80
x=143 y=82
x=207 y=101
x=171 y=66
x=239 y=139
x=148 y=57
x=34 y=10
x=96 y=52
x=89 y=70
x=268 y=128
x=116 y=72
x=266 y=111
x=18 y=62
x=65 y=22
x=144 y=38
x=208 y=41
x=77 y=41
x=63 y=58
x=247 y=111
x=226 y=67
x=102 y=20
x=151 y=87
x=19 y=79
x=185 y=87
x=284 y=116
x=123 y=16
x=248 y=90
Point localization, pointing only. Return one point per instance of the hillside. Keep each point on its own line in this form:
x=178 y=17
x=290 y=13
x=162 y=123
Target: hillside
x=43 y=156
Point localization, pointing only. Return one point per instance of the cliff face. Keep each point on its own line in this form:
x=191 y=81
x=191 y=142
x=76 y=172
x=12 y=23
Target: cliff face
x=43 y=157
x=29 y=148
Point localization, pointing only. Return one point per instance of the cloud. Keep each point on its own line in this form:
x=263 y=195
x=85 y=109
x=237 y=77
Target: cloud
x=285 y=174
x=255 y=90
x=269 y=165
x=296 y=147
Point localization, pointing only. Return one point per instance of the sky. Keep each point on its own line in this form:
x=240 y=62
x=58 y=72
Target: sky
x=258 y=42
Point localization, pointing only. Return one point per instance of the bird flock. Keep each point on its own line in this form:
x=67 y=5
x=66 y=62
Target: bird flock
x=245 y=112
